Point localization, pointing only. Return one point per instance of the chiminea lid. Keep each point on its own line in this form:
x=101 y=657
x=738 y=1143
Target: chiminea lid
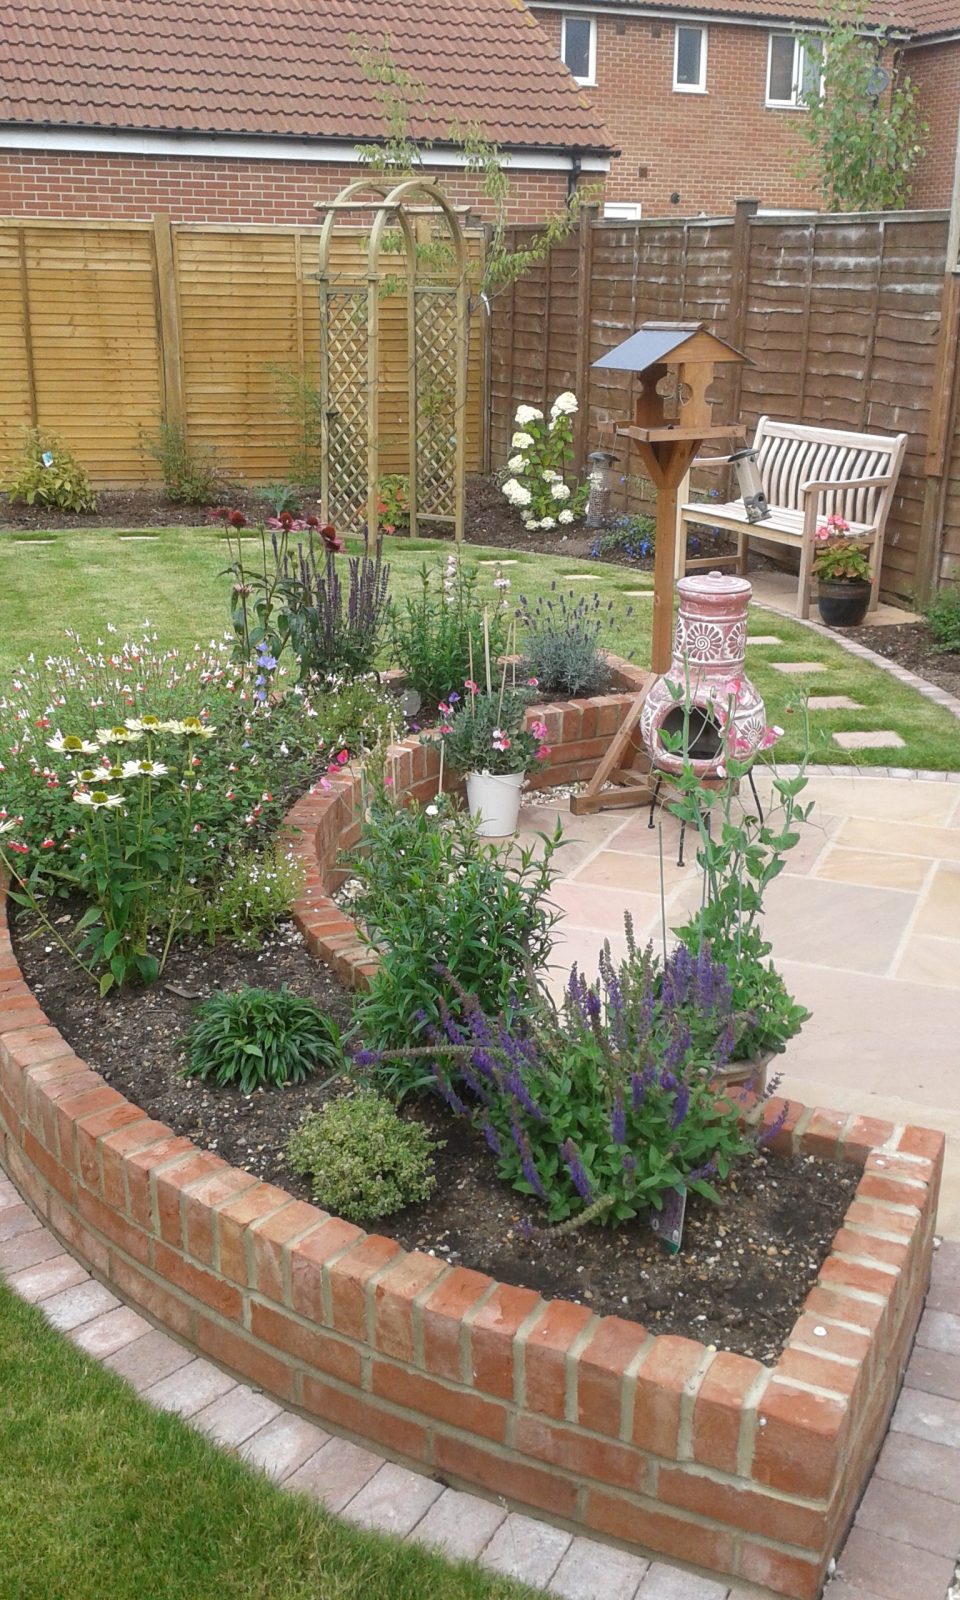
x=717 y=585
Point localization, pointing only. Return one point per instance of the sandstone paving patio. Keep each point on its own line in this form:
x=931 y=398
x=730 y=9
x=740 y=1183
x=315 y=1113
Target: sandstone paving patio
x=864 y=923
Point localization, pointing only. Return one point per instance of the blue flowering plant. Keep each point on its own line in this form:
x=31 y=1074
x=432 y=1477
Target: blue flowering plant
x=601 y=1106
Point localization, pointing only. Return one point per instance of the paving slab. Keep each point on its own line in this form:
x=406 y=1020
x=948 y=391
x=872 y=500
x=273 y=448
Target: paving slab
x=74 y=1307
x=110 y=1332
x=236 y=1415
x=337 y=1472
x=669 y=1583
x=592 y=1571
x=920 y=1464
x=148 y=1359
x=190 y=1389
x=894 y=1571
x=869 y=739
x=28 y=1250
x=928 y=1416
x=283 y=1445
x=393 y=1501
x=50 y=1277
x=832 y=702
x=797 y=669
x=940 y=1330
x=911 y=1516
x=527 y=1550
x=17 y=1219
x=460 y=1525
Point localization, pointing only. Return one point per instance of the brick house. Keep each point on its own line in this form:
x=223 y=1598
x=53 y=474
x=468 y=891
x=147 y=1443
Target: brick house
x=238 y=111
x=702 y=98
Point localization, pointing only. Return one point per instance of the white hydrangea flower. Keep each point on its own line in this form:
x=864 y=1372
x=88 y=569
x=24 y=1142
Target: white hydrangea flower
x=560 y=491
x=565 y=516
x=516 y=493
x=565 y=405
x=521 y=441
x=549 y=476
x=529 y=523
x=516 y=463
x=527 y=414
x=548 y=522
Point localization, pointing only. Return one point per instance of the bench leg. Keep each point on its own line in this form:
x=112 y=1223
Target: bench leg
x=806 y=579
x=743 y=554
x=876 y=562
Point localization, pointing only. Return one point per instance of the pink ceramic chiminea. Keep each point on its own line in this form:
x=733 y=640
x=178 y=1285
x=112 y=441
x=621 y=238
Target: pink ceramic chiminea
x=706 y=675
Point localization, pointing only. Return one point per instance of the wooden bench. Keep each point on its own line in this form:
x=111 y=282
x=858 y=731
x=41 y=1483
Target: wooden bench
x=808 y=474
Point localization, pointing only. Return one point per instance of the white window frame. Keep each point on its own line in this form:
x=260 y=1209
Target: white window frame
x=589 y=82
x=622 y=210
x=800 y=46
x=691 y=88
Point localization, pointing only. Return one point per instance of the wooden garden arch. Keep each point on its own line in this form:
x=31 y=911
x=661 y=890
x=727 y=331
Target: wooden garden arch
x=350 y=361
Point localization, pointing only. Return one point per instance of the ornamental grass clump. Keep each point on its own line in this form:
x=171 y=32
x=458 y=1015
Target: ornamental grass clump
x=364 y=1161
x=260 y=1039
x=537 y=472
x=599 y=1107
x=561 y=641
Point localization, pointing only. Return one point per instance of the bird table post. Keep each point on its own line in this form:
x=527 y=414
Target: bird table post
x=674 y=363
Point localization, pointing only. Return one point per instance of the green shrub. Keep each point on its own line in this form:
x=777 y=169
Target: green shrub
x=446 y=915
x=363 y=1160
x=253 y=892
x=633 y=536
x=48 y=474
x=260 y=1038
x=281 y=497
x=943 y=619
x=438 y=632
x=190 y=475
x=562 y=642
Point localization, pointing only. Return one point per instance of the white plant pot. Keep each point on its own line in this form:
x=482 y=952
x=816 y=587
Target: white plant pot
x=494 y=802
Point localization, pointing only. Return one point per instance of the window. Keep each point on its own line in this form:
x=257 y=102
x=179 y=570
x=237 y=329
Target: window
x=793 y=67
x=578 y=47
x=623 y=211
x=690 y=60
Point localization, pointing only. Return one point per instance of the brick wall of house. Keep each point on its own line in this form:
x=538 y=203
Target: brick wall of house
x=935 y=69
x=215 y=189
x=709 y=148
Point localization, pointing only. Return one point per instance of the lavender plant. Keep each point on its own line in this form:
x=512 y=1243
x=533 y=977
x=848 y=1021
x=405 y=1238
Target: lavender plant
x=599 y=1107
x=562 y=641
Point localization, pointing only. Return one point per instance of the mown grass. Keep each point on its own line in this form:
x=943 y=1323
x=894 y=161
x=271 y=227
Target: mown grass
x=84 y=580
x=101 y=1496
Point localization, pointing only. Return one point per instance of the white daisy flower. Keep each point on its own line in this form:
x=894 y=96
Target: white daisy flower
x=121 y=734
x=69 y=744
x=98 y=799
x=144 y=769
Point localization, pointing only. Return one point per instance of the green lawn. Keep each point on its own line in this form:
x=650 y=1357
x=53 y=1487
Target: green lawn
x=101 y=1496
x=84 y=580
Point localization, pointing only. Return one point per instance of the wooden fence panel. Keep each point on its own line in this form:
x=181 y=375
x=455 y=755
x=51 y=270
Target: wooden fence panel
x=839 y=316
x=17 y=408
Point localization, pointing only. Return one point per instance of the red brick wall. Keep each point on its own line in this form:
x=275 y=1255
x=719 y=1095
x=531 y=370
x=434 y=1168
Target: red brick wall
x=217 y=189
x=711 y=148
x=935 y=69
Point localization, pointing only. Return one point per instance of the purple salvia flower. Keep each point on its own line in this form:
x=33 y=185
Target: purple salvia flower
x=515 y=1085
x=677 y=1047
x=681 y=1106
x=574 y=1165
x=526 y=1159
x=618 y=1121
x=366 y=1058
x=448 y=1093
x=629 y=1164
x=726 y=1039
x=774 y=1127
x=492 y=1137
x=638 y=1090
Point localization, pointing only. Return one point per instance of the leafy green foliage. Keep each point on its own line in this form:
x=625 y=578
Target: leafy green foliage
x=364 y=1161
x=255 y=890
x=862 y=145
x=299 y=402
x=435 y=899
x=47 y=473
x=280 y=497
x=535 y=476
x=488 y=734
x=943 y=619
x=597 y=1109
x=633 y=536
x=393 y=503
x=260 y=1039
x=437 y=632
x=190 y=474
x=562 y=641
x=844 y=560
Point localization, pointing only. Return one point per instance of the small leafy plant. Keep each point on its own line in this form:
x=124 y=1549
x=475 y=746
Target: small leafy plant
x=489 y=734
x=942 y=617
x=254 y=891
x=630 y=536
x=393 y=503
x=434 y=898
x=280 y=497
x=364 y=1161
x=536 y=473
x=561 y=642
x=190 y=473
x=260 y=1039
x=47 y=473
x=842 y=560
x=437 y=633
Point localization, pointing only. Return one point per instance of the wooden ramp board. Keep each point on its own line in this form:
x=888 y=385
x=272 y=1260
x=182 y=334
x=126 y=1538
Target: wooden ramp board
x=625 y=764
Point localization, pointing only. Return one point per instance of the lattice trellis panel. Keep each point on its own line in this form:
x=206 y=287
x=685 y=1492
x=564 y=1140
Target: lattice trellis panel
x=437 y=420
x=344 y=351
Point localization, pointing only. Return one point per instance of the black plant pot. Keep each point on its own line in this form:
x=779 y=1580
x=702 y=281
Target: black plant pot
x=843 y=602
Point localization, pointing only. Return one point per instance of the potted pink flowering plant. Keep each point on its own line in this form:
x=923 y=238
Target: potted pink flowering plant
x=488 y=740
x=841 y=566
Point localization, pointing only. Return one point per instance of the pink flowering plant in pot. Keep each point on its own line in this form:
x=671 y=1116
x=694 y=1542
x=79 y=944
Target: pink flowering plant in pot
x=486 y=737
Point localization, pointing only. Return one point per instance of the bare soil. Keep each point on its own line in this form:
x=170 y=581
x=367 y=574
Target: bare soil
x=910 y=645
x=739 y=1281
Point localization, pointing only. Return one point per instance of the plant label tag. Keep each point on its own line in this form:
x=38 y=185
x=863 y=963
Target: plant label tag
x=47 y=458
x=667 y=1223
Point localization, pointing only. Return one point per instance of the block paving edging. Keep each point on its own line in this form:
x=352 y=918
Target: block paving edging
x=661 y=1442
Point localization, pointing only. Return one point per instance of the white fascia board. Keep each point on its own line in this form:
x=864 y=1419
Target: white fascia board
x=103 y=141
x=681 y=13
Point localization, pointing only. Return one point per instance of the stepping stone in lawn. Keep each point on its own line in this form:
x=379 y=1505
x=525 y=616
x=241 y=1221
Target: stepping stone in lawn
x=580 y=577
x=489 y=561
x=638 y=594
x=876 y=739
x=763 y=638
x=797 y=668
x=833 y=702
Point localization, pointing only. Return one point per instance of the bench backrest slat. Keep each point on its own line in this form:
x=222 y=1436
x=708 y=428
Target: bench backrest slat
x=792 y=454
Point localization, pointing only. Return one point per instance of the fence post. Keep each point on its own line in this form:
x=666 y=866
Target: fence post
x=945 y=406
x=581 y=432
x=27 y=328
x=735 y=331
x=168 y=305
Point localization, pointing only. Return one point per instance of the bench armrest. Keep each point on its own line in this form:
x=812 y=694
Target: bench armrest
x=710 y=461
x=818 y=484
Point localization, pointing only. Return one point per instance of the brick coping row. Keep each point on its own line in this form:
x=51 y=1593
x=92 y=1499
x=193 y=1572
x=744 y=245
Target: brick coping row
x=712 y=1458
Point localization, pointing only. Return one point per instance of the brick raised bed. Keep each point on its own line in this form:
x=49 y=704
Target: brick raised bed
x=706 y=1457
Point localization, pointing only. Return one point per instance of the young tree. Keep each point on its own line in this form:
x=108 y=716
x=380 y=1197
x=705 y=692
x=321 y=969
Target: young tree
x=863 y=133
